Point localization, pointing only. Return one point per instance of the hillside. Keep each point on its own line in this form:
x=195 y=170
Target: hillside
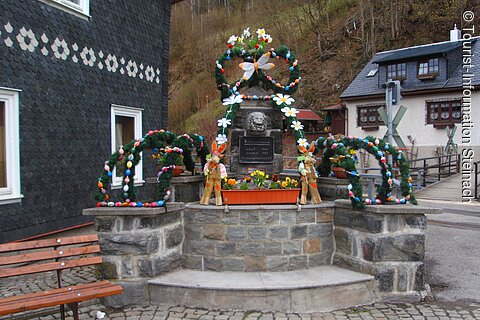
x=333 y=40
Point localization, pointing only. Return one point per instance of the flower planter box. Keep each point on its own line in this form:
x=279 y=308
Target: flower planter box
x=339 y=172
x=261 y=196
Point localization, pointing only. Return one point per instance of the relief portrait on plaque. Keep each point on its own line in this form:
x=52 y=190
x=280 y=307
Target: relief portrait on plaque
x=256 y=123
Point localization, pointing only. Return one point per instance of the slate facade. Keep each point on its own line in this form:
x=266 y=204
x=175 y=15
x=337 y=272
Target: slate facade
x=70 y=70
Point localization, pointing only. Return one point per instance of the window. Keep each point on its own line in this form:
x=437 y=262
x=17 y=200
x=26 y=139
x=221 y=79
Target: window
x=428 y=69
x=9 y=147
x=372 y=73
x=397 y=71
x=444 y=113
x=126 y=124
x=79 y=7
x=368 y=117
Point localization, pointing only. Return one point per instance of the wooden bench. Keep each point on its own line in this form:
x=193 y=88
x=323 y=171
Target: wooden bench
x=39 y=256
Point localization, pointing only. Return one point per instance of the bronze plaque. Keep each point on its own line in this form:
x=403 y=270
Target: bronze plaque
x=256 y=150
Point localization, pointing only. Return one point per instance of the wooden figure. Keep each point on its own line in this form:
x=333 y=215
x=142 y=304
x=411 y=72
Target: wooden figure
x=214 y=172
x=308 y=176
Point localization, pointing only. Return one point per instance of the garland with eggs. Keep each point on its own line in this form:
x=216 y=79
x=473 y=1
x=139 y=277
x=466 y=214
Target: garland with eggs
x=171 y=148
x=380 y=150
x=254 y=55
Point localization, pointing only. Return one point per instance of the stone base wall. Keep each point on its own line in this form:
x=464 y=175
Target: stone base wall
x=137 y=244
x=257 y=238
x=185 y=188
x=386 y=241
x=331 y=188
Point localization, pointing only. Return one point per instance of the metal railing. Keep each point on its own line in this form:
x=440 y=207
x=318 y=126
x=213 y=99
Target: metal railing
x=475 y=178
x=432 y=169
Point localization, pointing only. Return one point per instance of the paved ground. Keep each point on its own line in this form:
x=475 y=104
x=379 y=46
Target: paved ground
x=448 y=189
x=377 y=311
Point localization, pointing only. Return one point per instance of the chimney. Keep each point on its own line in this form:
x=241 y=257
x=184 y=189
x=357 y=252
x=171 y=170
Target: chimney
x=455 y=34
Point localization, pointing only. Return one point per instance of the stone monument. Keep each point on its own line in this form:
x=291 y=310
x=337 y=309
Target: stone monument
x=256 y=140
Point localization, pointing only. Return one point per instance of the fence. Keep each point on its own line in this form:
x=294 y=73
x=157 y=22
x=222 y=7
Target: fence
x=432 y=169
x=476 y=172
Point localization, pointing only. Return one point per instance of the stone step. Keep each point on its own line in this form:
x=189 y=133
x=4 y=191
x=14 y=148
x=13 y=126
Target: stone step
x=319 y=289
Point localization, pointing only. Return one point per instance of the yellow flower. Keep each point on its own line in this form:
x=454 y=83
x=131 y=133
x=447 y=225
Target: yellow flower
x=288 y=180
x=284 y=184
x=352 y=152
x=252 y=174
x=267 y=176
x=295 y=183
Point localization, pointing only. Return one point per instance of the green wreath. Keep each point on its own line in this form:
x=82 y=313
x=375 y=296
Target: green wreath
x=380 y=150
x=171 y=147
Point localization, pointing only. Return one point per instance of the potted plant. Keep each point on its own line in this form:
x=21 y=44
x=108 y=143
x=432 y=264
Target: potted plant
x=337 y=168
x=178 y=168
x=258 y=189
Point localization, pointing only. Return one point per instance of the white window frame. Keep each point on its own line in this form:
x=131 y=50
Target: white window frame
x=82 y=10
x=136 y=114
x=12 y=192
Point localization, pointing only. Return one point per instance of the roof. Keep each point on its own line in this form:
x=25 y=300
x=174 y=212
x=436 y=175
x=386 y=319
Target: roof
x=335 y=107
x=417 y=51
x=363 y=86
x=306 y=114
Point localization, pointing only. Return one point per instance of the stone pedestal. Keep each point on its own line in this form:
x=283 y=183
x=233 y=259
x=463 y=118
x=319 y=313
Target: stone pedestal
x=137 y=244
x=331 y=188
x=386 y=241
x=185 y=188
x=258 y=237
x=251 y=112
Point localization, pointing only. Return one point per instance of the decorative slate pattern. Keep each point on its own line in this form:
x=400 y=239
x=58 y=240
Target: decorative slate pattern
x=60 y=49
x=450 y=70
x=71 y=70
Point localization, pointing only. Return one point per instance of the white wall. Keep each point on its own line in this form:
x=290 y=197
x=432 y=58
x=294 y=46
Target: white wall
x=413 y=123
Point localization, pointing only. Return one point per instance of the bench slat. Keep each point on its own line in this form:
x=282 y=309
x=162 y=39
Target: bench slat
x=50 y=266
x=36 y=244
x=47 y=255
x=56 y=298
x=47 y=292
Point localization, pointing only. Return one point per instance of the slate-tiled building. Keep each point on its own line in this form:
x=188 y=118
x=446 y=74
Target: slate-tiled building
x=433 y=78
x=78 y=78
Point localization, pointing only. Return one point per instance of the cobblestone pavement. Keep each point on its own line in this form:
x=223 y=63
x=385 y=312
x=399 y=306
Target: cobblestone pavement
x=377 y=311
x=417 y=311
x=44 y=281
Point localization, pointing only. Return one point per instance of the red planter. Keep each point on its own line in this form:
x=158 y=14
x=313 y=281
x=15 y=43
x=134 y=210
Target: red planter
x=276 y=196
x=178 y=170
x=339 y=172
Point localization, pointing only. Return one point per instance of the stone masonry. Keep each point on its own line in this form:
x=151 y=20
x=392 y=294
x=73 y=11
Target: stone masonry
x=257 y=238
x=387 y=242
x=137 y=244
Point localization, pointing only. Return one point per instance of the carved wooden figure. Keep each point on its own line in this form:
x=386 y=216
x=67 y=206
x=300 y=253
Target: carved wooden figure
x=308 y=176
x=214 y=172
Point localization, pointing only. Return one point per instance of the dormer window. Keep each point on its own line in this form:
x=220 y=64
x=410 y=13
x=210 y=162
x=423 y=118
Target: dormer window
x=428 y=69
x=397 y=71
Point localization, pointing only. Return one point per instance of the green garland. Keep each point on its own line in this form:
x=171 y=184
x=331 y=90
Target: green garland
x=250 y=51
x=380 y=150
x=170 y=145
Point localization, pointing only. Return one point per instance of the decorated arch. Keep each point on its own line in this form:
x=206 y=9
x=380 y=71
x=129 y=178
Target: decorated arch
x=254 y=53
x=170 y=148
x=344 y=150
